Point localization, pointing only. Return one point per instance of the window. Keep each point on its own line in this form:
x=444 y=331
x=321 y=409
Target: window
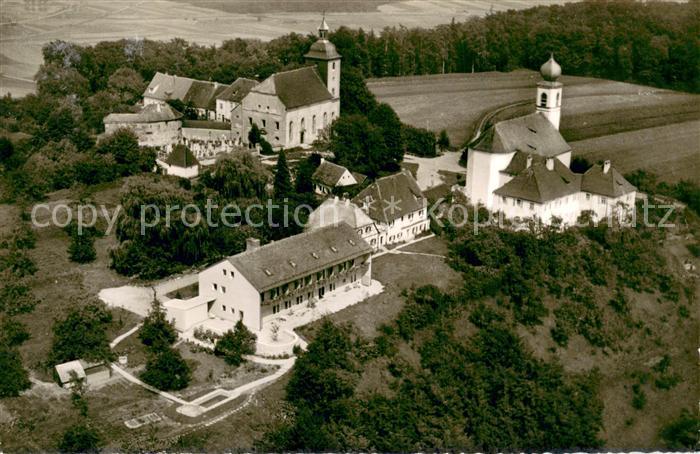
x=313 y=124
x=224 y=272
x=223 y=308
x=543 y=100
x=558 y=99
x=588 y=196
x=532 y=206
x=241 y=315
x=333 y=65
x=264 y=123
x=277 y=125
x=520 y=203
x=504 y=199
x=291 y=130
x=325 y=119
x=250 y=121
x=233 y=311
x=223 y=289
x=603 y=200
x=333 y=91
x=277 y=138
x=214 y=286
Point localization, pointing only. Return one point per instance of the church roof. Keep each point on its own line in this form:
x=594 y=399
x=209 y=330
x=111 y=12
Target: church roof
x=539 y=184
x=237 y=90
x=391 y=197
x=335 y=210
x=296 y=88
x=610 y=183
x=323 y=49
x=532 y=134
x=328 y=173
x=152 y=113
x=283 y=261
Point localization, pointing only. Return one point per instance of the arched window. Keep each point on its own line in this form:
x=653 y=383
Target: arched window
x=325 y=119
x=558 y=99
x=332 y=115
x=313 y=124
x=302 y=129
x=543 y=100
x=291 y=130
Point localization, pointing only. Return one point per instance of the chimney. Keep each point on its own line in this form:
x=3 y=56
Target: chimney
x=252 y=244
x=550 y=163
x=529 y=161
x=606 y=166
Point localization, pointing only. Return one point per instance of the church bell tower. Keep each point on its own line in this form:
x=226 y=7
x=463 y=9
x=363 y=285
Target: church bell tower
x=324 y=55
x=549 y=91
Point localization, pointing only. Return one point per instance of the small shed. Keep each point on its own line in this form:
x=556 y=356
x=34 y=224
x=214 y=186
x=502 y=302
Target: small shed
x=180 y=162
x=93 y=374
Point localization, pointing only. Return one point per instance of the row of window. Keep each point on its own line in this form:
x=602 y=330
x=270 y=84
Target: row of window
x=307 y=280
x=233 y=311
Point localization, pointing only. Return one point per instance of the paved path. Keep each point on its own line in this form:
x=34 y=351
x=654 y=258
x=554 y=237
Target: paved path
x=124 y=336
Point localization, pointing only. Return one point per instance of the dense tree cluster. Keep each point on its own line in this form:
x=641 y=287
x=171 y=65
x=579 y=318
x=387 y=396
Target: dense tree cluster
x=82 y=334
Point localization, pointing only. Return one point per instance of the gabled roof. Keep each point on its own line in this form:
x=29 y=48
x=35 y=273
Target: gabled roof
x=391 y=197
x=181 y=156
x=335 y=210
x=151 y=113
x=610 y=183
x=237 y=90
x=519 y=162
x=328 y=173
x=165 y=87
x=284 y=261
x=295 y=88
x=200 y=93
x=65 y=371
x=532 y=134
x=539 y=184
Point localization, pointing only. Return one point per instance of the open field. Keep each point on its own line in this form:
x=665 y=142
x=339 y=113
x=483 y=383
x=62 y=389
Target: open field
x=24 y=31
x=672 y=151
x=592 y=108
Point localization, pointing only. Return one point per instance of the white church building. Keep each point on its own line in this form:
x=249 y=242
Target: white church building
x=520 y=167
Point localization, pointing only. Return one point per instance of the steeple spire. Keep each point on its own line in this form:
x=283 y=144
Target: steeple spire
x=323 y=28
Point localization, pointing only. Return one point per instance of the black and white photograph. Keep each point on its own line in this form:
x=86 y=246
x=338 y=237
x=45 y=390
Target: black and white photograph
x=349 y=226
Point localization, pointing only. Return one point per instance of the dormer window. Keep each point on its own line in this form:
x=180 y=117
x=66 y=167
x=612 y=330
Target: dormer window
x=292 y=264
x=352 y=242
x=314 y=255
x=267 y=272
x=334 y=249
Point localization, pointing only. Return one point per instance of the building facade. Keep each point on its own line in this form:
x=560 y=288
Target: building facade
x=335 y=210
x=156 y=125
x=329 y=176
x=293 y=107
x=265 y=280
x=397 y=206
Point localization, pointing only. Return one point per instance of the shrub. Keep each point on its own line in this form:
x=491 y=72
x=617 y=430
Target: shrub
x=166 y=370
x=13 y=376
x=157 y=332
x=79 y=438
x=236 y=343
x=82 y=335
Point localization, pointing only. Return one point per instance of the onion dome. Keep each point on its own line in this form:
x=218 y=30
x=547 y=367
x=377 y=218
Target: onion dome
x=550 y=70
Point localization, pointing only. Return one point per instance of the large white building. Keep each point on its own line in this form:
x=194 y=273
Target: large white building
x=293 y=107
x=520 y=167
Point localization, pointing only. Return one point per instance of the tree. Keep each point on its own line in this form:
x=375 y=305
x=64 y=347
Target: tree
x=82 y=335
x=80 y=438
x=128 y=84
x=166 y=370
x=236 y=343
x=157 y=332
x=357 y=99
x=266 y=148
x=238 y=176
x=359 y=145
x=305 y=170
x=123 y=145
x=386 y=119
x=82 y=246
x=12 y=332
x=6 y=149
x=443 y=141
x=13 y=376
x=419 y=141
x=283 y=182
x=682 y=432
x=255 y=135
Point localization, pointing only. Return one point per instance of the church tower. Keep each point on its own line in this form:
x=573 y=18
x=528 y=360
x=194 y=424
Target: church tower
x=324 y=55
x=549 y=92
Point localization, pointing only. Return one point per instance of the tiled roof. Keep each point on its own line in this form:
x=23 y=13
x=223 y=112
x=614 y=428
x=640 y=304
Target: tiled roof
x=532 y=134
x=391 y=197
x=291 y=258
x=237 y=90
x=610 y=184
x=539 y=184
x=328 y=173
x=181 y=156
x=335 y=210
x=165 y=87
x=200 y=93
x=296 y=88
x=151 y=113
